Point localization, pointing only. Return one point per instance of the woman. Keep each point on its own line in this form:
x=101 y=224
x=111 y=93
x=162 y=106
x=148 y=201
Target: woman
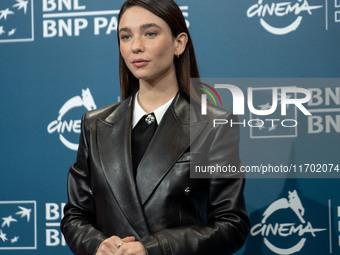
x=128 y=200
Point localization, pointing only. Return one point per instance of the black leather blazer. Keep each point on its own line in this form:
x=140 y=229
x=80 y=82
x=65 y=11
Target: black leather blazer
x=164 y=208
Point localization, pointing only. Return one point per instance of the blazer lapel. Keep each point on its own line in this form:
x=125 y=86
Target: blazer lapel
x=115 y=155
x=170 y=141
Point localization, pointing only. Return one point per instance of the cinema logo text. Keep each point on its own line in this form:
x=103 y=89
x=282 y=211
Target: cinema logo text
x=72 y=126
x=280 y=10
x=275 y=231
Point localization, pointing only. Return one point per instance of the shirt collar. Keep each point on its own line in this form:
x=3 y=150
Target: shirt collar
x=138 y=111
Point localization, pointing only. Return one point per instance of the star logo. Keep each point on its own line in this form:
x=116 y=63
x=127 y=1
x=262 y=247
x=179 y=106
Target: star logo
x=5 y=13
x=272 y=128
x=12 y=32
x=7 y=221
x=16 y=21
x=258 y=125
x=266 y=106
x=24 y=213
x=21 y=5
x=15 y=239
x=3 y=236
x=18 y=225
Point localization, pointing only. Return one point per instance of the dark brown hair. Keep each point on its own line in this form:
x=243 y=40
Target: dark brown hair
x=185 y=65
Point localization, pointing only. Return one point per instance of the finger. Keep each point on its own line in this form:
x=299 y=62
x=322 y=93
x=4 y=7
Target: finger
x=110 y=245
x=135 y=248
x=124 y=249
x=129 y=239
x=107 y=247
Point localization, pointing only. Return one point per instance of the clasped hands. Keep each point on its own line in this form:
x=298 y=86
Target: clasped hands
x=114 y=245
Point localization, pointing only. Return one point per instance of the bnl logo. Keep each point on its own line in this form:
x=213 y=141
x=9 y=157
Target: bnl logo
x=16 y=21
x=18 y=225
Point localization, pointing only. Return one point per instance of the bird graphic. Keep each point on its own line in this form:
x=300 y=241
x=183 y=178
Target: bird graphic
x=15 y=239
x=7 y=221
x=2 y=31
x=24 y=212
x=12 y=32
x=3 y=236
x=21 y=5
x=272 y=128
x=5 y=13
x=265 y=106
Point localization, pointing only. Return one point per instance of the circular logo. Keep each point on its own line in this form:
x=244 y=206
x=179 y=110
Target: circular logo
x=289 y=15
x=285 y=230
x=63 y=126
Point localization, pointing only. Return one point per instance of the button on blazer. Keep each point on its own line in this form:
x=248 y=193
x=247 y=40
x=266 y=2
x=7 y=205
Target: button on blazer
x=166 y=210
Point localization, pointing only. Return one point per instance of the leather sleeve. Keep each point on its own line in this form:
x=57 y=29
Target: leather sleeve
x=78 y=222
x=228 y=223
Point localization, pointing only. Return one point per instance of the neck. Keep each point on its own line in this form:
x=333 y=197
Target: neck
x=154 y=93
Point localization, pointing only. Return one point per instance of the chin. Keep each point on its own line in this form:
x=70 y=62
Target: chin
x=141 y=76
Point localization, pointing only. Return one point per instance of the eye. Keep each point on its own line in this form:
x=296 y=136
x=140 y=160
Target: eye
x=125 y=37
x=150 y=34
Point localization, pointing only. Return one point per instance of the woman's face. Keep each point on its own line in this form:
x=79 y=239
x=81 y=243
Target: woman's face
x=146 y=44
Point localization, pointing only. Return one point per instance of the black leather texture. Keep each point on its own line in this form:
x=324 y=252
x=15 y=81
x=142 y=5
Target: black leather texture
x=166 y=210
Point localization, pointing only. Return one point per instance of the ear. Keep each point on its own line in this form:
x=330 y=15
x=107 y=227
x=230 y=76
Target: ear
x=180 y=43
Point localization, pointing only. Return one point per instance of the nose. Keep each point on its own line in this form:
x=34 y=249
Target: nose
x=137 y=45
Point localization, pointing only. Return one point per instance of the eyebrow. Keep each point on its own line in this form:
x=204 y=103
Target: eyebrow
x=142 y=27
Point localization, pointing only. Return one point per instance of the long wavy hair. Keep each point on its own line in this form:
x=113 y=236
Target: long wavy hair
x=185 y=65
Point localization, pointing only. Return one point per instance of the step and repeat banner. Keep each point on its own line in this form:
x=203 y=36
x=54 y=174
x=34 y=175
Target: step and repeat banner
x=278 y=59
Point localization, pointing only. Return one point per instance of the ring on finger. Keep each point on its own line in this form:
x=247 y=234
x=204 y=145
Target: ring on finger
x=119 y=244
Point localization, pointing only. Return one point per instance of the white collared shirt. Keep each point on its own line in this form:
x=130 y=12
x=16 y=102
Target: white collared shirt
x=138 y=111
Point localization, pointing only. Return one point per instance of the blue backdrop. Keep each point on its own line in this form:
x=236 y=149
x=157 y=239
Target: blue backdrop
x=59 y=59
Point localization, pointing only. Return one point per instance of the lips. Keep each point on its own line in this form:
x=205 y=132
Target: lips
x=140 y=63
